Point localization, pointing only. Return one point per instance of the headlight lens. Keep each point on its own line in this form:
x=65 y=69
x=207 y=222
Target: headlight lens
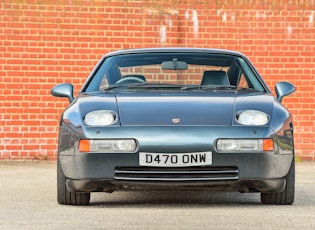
x=245 y=145
x=100 y=117
x=108 y=146
x=252 y=117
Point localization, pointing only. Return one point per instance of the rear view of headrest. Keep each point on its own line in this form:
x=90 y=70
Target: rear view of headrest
x=215 y=77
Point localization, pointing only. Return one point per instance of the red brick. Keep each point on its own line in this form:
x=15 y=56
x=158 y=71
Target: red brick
x=42 y=44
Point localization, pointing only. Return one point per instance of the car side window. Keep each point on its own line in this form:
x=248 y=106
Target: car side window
x=104 y=83
x=242 y=83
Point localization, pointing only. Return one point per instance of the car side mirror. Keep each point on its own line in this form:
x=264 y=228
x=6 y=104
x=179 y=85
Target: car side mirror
x=63 y=90
x=284 y=89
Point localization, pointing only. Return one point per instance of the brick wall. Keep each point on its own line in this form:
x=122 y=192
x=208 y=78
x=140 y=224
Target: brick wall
x=45 y=42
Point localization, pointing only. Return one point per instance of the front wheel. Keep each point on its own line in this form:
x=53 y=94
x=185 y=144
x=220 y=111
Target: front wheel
x=287 y=196
x=66 y=197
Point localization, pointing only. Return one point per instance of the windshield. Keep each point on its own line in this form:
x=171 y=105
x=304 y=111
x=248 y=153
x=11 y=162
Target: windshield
x=173 y=71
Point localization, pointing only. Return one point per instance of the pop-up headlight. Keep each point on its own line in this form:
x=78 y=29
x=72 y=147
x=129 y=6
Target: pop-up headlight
x=252 y=117
x=100 y=118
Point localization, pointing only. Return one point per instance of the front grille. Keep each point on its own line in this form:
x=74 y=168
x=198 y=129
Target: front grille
x=176 y=174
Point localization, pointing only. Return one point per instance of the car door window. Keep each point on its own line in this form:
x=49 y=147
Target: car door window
x=242 y=83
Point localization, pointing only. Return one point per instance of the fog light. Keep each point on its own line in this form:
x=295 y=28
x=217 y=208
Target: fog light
x=245 y=145
x=108 y=146
x=124 y=145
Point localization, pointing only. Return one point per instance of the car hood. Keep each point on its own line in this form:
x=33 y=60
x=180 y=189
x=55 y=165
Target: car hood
x=164 y=109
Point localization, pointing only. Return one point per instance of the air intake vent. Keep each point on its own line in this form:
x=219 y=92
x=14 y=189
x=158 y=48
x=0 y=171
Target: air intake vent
x=176 y=174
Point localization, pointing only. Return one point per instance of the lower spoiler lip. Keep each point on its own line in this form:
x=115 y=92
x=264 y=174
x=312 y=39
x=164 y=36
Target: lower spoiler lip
x=110 y=185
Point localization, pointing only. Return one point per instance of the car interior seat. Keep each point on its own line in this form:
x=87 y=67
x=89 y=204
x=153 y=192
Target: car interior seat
x=135 y=76
x=215 y=77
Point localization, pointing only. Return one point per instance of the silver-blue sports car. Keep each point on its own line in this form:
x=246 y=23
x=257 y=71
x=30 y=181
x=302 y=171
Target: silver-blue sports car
x=175 y=118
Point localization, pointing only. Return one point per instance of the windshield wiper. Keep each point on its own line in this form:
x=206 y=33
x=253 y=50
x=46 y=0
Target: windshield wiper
x=113 y=87
x=248 y=89
x=159 y=86
x=210 y=87
x=123 y=85
x=221 y=87
x=154 y=86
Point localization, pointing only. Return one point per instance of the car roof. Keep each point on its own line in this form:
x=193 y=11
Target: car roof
x=175 y=49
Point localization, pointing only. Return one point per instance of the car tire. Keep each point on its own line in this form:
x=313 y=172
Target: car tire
x=66 y=197
x=287 y=196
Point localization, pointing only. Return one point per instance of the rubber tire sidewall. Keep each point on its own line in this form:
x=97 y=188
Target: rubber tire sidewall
x=287 y=196
x=66 y=197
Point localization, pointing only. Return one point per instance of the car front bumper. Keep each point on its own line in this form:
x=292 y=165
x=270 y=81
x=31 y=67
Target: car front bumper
x=242 y=171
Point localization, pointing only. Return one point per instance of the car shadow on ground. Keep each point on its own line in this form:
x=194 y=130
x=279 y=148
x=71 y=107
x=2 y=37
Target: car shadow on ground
x=174 y=198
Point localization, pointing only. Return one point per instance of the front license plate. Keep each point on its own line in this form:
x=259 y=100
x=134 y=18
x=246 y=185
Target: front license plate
x=175 y=160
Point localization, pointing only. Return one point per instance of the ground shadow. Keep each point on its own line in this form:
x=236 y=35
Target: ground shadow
x=174 y=198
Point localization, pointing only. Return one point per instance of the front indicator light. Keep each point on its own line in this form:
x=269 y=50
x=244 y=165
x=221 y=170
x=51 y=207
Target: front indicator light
x=108 y=146
x=268 y=145
x=245 y=145
x=84 y=146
